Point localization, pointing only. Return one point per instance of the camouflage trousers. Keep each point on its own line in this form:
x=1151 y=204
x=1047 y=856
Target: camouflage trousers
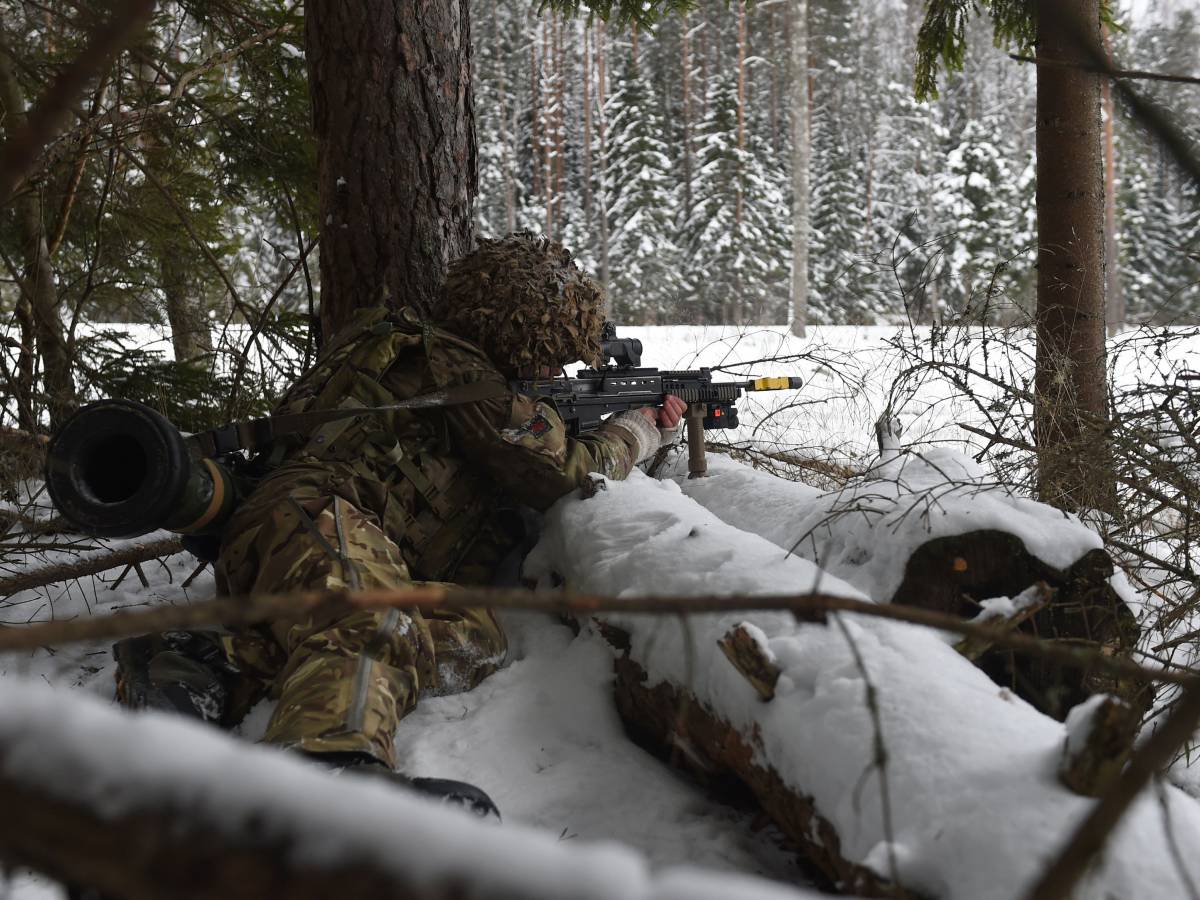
x=343 y=682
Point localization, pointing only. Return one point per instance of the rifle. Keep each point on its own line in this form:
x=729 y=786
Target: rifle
x=620 y=383
x=118 y=468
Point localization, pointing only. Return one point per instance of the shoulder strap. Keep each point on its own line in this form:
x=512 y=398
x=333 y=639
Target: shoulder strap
x=255 y=433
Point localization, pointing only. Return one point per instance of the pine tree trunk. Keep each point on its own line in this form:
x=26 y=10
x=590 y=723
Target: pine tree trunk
x=1074 y=457
x=587 y=136
x=800 y=160
x=738 y=311
x=39 y=306
x=1115 y=317
x=686 y=72
x=547 y=129
x=560 y=122
x=602 y=193
x=393 y=115
x=190 y=335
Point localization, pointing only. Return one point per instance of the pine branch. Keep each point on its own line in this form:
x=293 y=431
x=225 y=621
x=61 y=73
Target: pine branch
x=46 y=119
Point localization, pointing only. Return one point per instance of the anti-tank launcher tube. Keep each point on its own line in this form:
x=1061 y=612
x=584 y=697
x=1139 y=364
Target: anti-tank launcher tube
x=118 y=468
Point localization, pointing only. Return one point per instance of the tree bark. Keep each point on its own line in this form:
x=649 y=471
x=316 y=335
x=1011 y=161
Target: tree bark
x=39 y=307
x=1075 y=469
x=602 y=261
x=671 y=722
x=1115 y=316
x=800 y=162
x=396 y=160
x=190 y=334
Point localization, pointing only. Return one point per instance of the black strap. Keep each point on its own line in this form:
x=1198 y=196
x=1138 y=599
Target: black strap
x=254 y=434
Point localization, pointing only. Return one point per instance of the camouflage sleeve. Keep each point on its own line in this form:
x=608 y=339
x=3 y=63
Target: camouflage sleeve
x=524 y=445
x=522 y=441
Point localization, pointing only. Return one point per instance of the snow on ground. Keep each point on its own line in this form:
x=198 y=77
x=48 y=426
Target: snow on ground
x=123 y=763
x=542 y=736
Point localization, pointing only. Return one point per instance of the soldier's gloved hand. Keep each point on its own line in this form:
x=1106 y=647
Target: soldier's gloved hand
x=640 y=423
x=670 y=419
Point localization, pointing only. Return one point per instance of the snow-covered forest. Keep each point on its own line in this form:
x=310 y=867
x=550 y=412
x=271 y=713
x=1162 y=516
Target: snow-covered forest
x=924 y=624
x=640 y=150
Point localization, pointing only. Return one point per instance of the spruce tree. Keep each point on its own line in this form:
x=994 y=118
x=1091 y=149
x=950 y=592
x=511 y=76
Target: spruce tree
x=640 y=201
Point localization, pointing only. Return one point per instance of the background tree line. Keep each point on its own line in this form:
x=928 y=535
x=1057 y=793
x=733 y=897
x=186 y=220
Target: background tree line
x=663 y=158
x=182 y=192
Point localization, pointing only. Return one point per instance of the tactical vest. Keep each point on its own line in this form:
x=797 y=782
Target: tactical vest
x=428 y=499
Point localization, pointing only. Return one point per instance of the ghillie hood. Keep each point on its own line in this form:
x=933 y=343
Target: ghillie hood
x=525 y=302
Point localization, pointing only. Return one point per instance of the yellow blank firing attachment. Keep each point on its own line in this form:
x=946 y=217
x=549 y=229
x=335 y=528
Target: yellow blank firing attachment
x=779 y=383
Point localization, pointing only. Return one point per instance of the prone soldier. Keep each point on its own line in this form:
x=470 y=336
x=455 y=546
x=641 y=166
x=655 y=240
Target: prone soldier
x=386 y=498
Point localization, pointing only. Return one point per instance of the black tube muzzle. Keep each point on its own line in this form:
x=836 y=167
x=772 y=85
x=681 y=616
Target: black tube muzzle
x=118 y=468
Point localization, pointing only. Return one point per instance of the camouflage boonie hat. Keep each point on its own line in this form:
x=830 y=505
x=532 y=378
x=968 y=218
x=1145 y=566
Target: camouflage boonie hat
x=525 y=302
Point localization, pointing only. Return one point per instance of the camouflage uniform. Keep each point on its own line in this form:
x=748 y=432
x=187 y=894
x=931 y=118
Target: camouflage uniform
x=387 y=498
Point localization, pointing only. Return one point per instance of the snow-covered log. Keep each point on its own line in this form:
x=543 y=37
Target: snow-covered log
x=151 y=806
x=928 y=529
x=963 y=802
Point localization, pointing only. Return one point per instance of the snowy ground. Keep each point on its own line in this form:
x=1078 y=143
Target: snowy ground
x=542 y=735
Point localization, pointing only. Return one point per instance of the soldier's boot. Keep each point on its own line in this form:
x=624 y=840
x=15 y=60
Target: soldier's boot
x=175 y=671
x=460 y=794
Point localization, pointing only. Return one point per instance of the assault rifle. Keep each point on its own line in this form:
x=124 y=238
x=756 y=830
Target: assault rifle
x=118 y=468
x=620 y=383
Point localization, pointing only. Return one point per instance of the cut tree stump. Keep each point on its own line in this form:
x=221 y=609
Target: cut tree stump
x=955 y=574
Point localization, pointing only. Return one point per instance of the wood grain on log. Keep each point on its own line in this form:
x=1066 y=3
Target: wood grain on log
x=752 y=660
x=673 y=723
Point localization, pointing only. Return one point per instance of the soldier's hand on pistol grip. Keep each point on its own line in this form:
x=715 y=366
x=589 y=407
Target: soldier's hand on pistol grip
x=668 y=418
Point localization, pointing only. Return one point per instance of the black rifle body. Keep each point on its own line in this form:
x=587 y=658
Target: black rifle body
x=585 y=399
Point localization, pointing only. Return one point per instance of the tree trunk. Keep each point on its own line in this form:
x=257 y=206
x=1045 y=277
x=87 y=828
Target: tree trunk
x=39 y=305
x=396 y=161
x=587 y=136
x=602 y=193
x=800 y=157
x=190 y=334
x=1074 y=456
x=686 y=73
x=1115 y=317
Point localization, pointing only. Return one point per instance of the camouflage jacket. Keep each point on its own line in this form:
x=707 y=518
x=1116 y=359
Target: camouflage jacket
x=438 y=480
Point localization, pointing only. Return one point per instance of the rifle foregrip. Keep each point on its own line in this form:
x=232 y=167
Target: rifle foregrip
x=697 y=461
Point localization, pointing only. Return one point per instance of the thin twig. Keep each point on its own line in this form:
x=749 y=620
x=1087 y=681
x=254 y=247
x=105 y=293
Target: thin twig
x=1136 y=74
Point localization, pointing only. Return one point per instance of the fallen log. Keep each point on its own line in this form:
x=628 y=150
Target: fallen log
x=881 y=744
x=929 y=530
